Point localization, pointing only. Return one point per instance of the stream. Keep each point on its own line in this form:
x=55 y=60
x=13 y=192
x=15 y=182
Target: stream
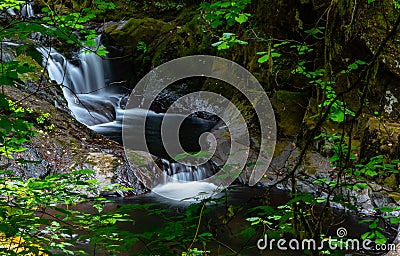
x=95 y=101
x=236 y=196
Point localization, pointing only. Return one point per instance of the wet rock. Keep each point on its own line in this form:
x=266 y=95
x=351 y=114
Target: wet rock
x=289 y=108
x=161 y=41
x=62 y=144
x=380 y=138
x=129 y=33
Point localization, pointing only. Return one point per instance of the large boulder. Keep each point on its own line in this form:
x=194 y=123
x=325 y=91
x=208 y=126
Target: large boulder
x=62 y=144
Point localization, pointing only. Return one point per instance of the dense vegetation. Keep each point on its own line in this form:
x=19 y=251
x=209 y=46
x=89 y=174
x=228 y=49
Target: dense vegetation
x=339 y=55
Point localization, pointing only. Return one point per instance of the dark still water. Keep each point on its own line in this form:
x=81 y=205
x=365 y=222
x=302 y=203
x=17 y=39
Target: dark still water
x=225 y=220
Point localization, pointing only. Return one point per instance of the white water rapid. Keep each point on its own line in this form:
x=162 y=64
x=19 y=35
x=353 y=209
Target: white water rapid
x=93 y=104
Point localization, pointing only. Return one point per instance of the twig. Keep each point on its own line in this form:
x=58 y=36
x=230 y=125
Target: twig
x=197 y=229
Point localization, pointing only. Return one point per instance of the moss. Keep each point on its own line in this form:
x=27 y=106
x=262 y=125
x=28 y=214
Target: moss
x=164 y=41
x=395 y=196
x=280 y=146
x=147 y=30
x=288 y=110
x=391 y=182
x=310 y=170
x=137 y=159
x=183 y=41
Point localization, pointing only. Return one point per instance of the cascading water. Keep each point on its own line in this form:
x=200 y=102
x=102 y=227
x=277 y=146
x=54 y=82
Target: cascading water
x=93 y=104
x=179 y=172
x=27 y=10
x=11 y=12
x=183 y=183
x=84 y=86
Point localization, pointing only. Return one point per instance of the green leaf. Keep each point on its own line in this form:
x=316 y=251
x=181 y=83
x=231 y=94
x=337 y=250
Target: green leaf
x=360 y=62
x=216 y=23
x=242 y=18
x=217 y=44
x=206 y=235
x=280 y=44
x=395 y=220
x=263 y=59
x=252 y=219
x=367 y=235
x=227 y=35
x=353 y=66
x=84 y=171
x=337 y=116
x=360 y=186
x=365 y=221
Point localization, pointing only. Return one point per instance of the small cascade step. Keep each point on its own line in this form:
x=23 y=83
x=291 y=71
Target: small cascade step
x=185 y=173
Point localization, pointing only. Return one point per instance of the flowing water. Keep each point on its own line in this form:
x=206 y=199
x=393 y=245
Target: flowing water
x=93 y=102
x=99 y=106
x=89 y=99
x=26 y=11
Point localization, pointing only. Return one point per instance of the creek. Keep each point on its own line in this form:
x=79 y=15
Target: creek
x=96 y=101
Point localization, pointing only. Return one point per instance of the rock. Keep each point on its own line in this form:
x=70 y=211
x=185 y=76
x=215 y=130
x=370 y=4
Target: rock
x=162 y=41
x=384 y=16
x=289 y=108
x=397 y=250
x=129 y=33
x=62 y=144
x=380 y=138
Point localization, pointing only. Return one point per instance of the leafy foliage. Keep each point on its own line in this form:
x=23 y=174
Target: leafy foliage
x=229 y=11
x=227 y=41
x=52 y=197
x=65 y=25
x=38 y=217
x=14 y=130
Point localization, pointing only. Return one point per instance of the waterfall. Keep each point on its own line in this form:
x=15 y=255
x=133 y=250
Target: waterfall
x=184 y=183
x=84 y=86
x=6 y=53
x=91 y=103
x=11 y=12
x=27 y=10
x=185 y=173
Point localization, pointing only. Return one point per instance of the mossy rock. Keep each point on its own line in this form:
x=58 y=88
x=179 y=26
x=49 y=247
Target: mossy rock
x=289 y=110
x=129 y=34
x=61 y=144
x=391 y=182
x=163 y=42
x=380 y=137
x=185 y=40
